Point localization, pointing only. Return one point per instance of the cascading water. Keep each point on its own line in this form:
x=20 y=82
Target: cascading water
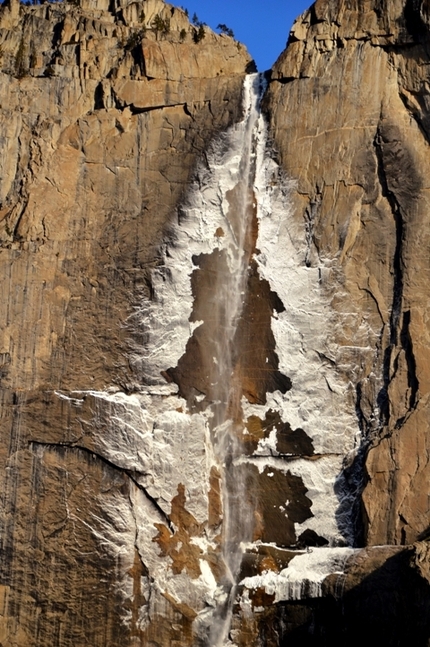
x=201 y=289
x=228 y=299
x=229 y=291
x=194 y=337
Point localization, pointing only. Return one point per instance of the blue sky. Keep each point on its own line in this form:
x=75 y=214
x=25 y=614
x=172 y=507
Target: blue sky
x=262 y=25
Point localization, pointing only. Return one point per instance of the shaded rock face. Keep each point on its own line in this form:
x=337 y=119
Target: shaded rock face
x=380 y=599
x=214 y=349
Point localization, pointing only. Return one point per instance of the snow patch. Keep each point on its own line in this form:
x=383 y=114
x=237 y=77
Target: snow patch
x=304 y=575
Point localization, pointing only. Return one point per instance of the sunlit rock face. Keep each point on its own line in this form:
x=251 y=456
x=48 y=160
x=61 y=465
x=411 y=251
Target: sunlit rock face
x=360 y=161
x=357 y=148
x=105 y=491
x=214 y=344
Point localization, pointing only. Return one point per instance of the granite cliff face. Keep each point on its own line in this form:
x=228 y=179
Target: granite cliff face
x=105 y=110
x=360 y=157
x=180 y=466
x=357 y=147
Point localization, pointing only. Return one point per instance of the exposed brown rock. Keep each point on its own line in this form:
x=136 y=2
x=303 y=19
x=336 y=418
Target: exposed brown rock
x=288 y=441
x=265 y=557
x=178 y=545
x=360 y=158
x=257 y=362
x=278 y=500
x=103 y=118
x=215 y=498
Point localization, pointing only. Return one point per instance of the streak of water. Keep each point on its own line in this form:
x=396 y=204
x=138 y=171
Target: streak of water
x=229 y=295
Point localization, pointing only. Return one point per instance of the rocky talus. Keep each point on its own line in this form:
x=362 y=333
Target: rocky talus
x=128 y=153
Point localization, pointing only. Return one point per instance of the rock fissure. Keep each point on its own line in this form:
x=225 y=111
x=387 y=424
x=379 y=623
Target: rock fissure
x=397 y=261
x=407 y=345
x=416 y=107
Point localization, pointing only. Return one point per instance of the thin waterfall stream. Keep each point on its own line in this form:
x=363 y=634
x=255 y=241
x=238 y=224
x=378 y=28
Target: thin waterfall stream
x=228 y=299
x=210 y=322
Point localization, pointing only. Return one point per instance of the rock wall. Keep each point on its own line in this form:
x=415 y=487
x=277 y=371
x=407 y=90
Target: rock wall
x=360 y=158
x=122 y=176
x=356 y=146
x=105 y=110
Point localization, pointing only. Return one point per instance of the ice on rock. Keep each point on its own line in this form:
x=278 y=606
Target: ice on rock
x=304 y=576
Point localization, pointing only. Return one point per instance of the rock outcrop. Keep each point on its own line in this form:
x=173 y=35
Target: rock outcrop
x=180 y=465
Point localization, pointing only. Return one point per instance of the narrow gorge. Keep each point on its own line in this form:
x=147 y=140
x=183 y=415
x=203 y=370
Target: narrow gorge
x=214 y=340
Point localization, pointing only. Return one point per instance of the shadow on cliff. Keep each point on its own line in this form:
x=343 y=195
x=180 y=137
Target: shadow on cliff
x=390 y=607
x=348 y=487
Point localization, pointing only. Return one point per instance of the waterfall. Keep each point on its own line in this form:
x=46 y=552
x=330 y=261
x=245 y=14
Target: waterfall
x=200 y=409
x=228 y=299
x=194 y=337
x=191 y=326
